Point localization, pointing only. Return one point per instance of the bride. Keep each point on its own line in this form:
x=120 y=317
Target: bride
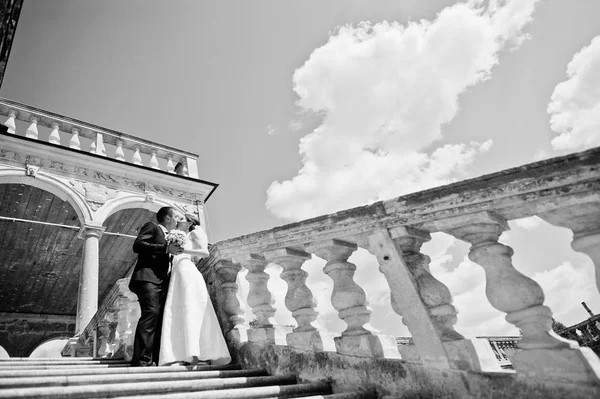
x=190 y=329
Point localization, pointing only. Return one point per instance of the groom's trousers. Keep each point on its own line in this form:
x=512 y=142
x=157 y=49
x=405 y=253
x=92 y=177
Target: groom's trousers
x=146 y=345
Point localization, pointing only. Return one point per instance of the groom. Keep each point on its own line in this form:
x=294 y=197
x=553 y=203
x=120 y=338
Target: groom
x=150 y=281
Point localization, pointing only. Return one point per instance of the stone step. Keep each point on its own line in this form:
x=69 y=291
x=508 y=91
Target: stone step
x=23 y=382
x=154 y=387
x=264 y=392
x=60 y=371
x=347 y=395
x=30 y=363
x=61 y=359
x=62 y=366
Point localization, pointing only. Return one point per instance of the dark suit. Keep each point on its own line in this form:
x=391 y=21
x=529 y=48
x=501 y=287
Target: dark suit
x=149 y=281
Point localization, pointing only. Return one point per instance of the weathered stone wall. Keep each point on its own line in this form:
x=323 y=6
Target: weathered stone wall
x=21 y=334
x=396 y=378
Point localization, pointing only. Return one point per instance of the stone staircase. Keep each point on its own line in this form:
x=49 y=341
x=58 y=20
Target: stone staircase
x=110 y=378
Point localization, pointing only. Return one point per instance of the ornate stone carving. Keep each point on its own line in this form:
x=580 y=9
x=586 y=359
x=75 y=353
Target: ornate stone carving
x=95 y=194
x=31 y=170
x=150 y=197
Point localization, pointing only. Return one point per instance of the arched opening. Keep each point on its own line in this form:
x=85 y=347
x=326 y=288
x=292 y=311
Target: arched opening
x=49 y=348
x=41 y=255
x=3 y=353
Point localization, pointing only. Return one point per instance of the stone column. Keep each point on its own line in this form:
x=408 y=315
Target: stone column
x=541 y=353
x=227 y=272
x=259 y=297
x=350 y=300
x=299 y=299
x=87 y=302
x=584 y=220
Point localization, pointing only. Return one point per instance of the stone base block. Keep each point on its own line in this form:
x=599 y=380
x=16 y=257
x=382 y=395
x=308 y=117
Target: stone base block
x=410 y=354
x=269 y=335
x=570 y=365
x=312 y=341
x=238 y=336
x=369 y=345
x=473 y=354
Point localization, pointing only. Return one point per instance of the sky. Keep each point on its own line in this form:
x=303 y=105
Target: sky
x=299 y=109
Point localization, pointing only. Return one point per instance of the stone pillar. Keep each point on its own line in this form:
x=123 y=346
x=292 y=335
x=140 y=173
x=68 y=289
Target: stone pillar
x=227 y=272
x=87 y=302
x=541 y=353
x=259 y=297
x=299 y=299
x=584 y=220
x=350 y=300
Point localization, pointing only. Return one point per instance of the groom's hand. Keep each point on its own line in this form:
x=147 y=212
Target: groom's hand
x=174 y=249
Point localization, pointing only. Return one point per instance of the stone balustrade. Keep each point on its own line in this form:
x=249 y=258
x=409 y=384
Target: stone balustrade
x=564 y=191
x=28 y=121
x=437 y=360
x=111 y=331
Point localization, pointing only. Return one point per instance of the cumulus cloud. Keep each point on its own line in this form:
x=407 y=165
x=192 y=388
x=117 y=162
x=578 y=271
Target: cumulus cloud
x=384 y=91
x=575 y=103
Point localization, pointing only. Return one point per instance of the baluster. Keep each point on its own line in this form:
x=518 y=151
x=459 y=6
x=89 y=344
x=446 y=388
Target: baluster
x=350 y=300
x=170 y=166
x=259 y=296
x=126 y=315
x=237 y=328
x=100 y=148
x=32 y=131
x=299 y=300
x=74 y=142
x=184 y=171
x=54 y=137
x=425 y=304
x=435 y=295
x=10 y=122
x=104 y=347
x=541 y=353
x=153 y=160
x=119 y=154
x=137 y=158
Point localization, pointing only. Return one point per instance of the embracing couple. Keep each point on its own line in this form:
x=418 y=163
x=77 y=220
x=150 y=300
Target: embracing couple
x=178 y=323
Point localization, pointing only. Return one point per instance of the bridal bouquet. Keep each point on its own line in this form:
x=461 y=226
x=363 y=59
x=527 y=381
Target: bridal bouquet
x=178 y=237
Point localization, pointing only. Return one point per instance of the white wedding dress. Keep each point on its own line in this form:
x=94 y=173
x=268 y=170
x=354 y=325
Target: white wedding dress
x=190 y=326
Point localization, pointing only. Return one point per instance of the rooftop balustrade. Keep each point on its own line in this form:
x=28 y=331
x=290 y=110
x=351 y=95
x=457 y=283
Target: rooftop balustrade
x=83 y=136
x=438 y=360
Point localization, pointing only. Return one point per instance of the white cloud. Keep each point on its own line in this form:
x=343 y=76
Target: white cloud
x=385 y=91
x=271 y=130
x=528 y=223
x=566 y=286
x=295 y=125
x=575 y=103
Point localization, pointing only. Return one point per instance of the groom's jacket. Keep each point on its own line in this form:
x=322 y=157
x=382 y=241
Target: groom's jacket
x=153 y=259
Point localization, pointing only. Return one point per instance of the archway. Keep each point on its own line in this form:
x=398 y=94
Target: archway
x=3 y=353
x=50 y=348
